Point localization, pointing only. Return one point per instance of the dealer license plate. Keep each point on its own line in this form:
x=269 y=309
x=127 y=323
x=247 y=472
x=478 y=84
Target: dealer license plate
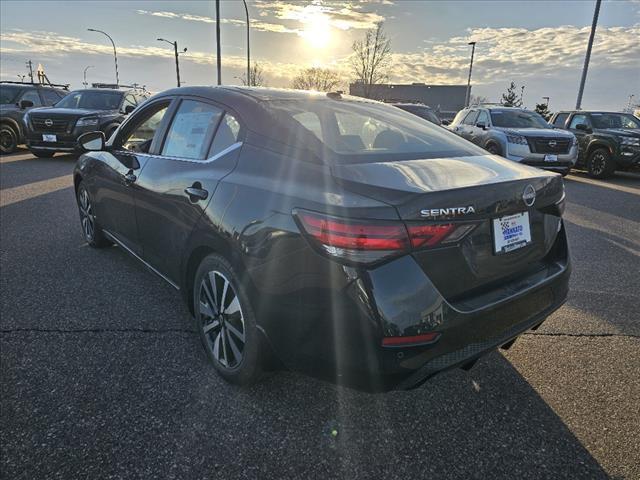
x=49 y=138
x=551 y=158
x=511 y=232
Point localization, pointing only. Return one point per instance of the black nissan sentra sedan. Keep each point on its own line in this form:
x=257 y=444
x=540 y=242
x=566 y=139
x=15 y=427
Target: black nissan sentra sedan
x=339 y=236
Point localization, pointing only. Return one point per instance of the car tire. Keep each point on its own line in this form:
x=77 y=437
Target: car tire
x=91 y=229
x=8 y=139
x=493 y=148
x=42 y=153
x=226 y=322
x=566 y=172
x=600 y=164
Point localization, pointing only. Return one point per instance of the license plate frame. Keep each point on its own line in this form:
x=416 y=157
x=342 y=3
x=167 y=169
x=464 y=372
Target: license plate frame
x=551 y=157
x=511 y=232
x=49 y=137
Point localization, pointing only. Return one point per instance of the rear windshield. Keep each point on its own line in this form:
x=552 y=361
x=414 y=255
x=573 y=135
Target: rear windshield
x=422 y=112
x=360 y=132
x=9 y=94
x=91 y=100
x=614 y=120
x=517 y=119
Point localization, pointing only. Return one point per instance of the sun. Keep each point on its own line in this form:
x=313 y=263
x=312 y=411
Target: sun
x=317 y=29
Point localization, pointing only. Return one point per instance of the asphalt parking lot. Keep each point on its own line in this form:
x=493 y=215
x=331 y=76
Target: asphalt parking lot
x=102 y=375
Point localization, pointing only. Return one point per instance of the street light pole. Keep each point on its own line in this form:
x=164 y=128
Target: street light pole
x=218 y=55
x=175 y=51
x=587 y=57
x=246 y=11
x=84 y=75
x=115 y=54
x=468 y=96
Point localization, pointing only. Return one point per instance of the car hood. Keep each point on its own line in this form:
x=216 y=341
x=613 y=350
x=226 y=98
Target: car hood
x=536 y=132
x=624 y=132
x=71 y=112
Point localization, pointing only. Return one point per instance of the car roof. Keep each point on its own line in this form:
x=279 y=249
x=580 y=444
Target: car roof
x=592 y=111
x=410 y=104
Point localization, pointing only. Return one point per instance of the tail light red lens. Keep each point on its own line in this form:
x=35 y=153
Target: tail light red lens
x=368 y=241
x=409 y=341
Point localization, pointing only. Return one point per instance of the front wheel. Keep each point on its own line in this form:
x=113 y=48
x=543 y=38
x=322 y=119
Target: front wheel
x=226 y=322
x=90 y=227
x=8 y=139
x=600 y=164
x=493 y=148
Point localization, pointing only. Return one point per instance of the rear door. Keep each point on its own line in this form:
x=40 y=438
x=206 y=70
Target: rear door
x=200 y=147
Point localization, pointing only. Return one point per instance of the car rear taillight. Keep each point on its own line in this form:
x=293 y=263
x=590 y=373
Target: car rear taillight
x=410 y=341
x=368 y=241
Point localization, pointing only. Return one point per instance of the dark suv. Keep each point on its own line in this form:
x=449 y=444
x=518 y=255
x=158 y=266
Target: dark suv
x=15 y=100
x=421 y=110
x=607 y=141
x=56 y=129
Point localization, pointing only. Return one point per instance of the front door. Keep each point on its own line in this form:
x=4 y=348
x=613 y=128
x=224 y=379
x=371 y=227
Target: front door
x=581 y=135
x=122 y=164
x=175 y=186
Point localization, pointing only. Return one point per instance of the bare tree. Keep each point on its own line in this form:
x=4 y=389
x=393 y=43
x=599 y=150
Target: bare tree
x=256 y=76
x=477 y=100
x=320 y=79
x=371 y=59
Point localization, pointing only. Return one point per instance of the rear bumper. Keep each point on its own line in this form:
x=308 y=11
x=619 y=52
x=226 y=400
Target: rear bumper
x=336 y=333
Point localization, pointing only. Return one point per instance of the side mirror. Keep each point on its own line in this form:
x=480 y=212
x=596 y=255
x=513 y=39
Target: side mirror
x=445 y=122
x=24 y=104
x=481 y=125
x=128 y=109
x=583 y=127
x=92 y=141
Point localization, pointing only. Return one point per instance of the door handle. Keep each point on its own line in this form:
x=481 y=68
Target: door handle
x=196 y=192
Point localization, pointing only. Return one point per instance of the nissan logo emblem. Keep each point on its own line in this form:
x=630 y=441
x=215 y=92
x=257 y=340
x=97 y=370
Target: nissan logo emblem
x=48 y=122
x=552 y=143
x=529 y=195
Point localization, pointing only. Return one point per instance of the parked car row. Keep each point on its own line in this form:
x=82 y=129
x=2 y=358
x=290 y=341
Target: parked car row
x=50 y=120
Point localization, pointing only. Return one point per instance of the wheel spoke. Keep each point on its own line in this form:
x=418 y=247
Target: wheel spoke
x=224 y=295
x=216 y=346
x=205 y=309
x=210 y=326
x=234 y=348
x=214 y=290
x=233 y=307
x=235 y=331
x=224 y=346
x=207 y=294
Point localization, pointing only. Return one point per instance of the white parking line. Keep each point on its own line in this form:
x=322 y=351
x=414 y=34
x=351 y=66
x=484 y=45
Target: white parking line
x=612 y=186
x=35 y=189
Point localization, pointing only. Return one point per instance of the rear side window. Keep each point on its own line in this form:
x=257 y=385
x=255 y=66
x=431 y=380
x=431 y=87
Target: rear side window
x=560 y=120
x=227 y=134
x=191 y=130
x=32 y=96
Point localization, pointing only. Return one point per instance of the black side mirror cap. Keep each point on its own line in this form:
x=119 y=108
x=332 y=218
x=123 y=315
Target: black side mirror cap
x=92 y=141
x=128 y=109
x=24 y=104
x=481 y=125
x=445 y=122
x=583 y=127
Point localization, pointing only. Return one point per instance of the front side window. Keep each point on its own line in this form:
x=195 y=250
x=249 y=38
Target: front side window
x=577 y=120
x=483 y=118
x=517 y=119
x=311 y=122
x=360 y=132
x=471 y=118
x=130 y=100
x=191 y=130
x=139 y=134
x=92 y=100
x=9 y=94
x=32 y=96
x=614 y=120
x=50 y=96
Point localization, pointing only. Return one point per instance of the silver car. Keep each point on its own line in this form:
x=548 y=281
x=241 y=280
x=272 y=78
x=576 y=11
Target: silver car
x=519 y=135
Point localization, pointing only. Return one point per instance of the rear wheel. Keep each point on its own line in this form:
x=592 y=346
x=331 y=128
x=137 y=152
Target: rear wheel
x=42 y=153
x=90 y=227
x=8 y=139
x=600 y=163
x=226 y=322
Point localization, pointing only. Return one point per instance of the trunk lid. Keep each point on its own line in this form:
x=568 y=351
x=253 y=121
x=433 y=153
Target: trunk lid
x=442 y=190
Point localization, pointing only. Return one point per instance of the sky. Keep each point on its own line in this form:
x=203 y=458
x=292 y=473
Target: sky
x=538 y=44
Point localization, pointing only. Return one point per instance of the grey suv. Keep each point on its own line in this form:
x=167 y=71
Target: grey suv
x=519 y=135
x=15 y=100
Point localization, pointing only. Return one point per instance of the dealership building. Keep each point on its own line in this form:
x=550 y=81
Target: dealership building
x=447 y=100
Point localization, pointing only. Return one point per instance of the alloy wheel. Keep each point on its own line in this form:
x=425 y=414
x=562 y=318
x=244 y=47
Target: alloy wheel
x=221 y=319
x=87 y=216
x=7 y=141
x=598 y=163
